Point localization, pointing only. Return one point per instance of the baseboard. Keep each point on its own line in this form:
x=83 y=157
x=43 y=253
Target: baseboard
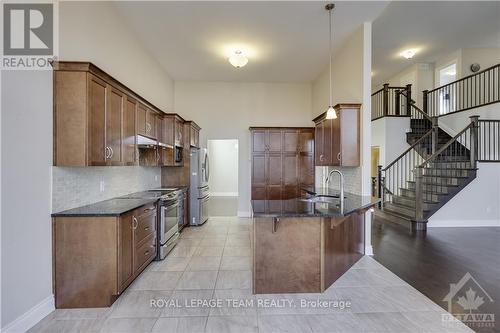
x=224 y=194
x=462 y=223
x=368 y=250
x=244 y=214
x=31 y=317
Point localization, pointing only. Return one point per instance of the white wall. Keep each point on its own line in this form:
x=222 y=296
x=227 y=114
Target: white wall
x=26 y=182
x=476 y=205
x=389 y=133
x=88 y=31
x=223 y=159
x=95 y=32
x=225 y=110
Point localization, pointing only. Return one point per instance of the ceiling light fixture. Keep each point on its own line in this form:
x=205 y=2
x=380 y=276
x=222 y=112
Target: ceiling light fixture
x=331 y=113
x=238 y=60
x=408 y=54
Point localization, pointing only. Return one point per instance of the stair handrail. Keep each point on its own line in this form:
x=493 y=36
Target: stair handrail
x=447 y=144
x=414 y=106
x=464 y=78
x=470 y=132
x=422 y=138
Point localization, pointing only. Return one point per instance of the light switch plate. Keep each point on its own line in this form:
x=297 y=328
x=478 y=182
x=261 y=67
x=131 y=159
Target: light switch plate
x=102 y=186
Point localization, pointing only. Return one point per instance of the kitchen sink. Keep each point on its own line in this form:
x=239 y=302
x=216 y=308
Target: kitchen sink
x=322 y=199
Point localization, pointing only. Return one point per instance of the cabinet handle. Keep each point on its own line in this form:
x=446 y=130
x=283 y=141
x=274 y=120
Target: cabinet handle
x=106 y=152
x=135 y=223
x=146 y=253
x=146 y=228
x=275 y=224
x=321 y=158
x=338 y=156
x=111 y=152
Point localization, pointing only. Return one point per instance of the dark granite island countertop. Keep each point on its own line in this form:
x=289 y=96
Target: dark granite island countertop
x=111 y=207
x=300 y=207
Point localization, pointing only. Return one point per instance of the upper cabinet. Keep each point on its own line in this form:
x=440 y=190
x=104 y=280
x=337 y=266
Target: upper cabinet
x=191 y=134
x=337 y=141
x=97 y=121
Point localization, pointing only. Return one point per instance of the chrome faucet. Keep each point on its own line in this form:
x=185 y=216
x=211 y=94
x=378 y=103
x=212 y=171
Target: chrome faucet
x=327 y=181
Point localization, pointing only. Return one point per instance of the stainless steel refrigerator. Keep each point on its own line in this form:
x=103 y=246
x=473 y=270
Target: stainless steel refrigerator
x=198 y=188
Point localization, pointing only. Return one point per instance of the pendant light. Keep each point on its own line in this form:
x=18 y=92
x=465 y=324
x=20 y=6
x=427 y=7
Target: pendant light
x=331 y=113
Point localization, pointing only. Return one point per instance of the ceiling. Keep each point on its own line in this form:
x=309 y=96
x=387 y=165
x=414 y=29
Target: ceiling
x=286 y=41
x=435 y=28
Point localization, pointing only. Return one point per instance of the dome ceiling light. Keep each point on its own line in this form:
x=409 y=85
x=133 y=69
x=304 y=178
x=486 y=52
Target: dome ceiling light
x=238 y=59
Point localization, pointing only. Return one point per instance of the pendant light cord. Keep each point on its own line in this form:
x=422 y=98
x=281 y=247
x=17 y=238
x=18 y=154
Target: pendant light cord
x=330 y=50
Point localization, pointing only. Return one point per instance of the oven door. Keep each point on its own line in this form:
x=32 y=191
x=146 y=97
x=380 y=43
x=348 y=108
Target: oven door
x=169 y=221
x=204 y=209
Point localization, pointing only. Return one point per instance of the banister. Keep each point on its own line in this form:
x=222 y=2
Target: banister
x=412 y=104
x=464 y=78
x=446 y=145
x=409 y=149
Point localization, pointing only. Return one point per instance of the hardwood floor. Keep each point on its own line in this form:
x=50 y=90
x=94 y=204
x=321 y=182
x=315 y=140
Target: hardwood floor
x=431 y=261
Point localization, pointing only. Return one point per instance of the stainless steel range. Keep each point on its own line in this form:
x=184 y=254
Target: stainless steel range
x=170 y=215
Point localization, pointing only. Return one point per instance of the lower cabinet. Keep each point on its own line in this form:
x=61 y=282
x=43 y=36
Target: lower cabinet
x=97 y=257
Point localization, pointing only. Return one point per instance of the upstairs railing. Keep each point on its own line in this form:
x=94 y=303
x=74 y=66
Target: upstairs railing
x=420 y=121
x=488 y=141
x=388 y=102
x=479 y=89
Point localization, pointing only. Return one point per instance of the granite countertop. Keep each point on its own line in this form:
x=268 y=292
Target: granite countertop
x=111 y=207
x=300 y=207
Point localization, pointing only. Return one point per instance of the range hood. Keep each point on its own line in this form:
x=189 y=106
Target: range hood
x=144 y=142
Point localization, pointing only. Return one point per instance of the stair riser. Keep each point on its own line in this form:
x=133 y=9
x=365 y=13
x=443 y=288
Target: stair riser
x=446 y=173
x=441 y=180
x=400 y=210
x=450 y=165
x=443 y=189
x=411 y=203
x=411 y=194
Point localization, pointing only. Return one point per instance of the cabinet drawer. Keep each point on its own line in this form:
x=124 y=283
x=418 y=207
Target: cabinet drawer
x=145 y=226
x=145 y=253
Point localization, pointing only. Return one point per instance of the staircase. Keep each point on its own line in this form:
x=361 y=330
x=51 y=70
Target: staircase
x=436 y=166
x=441 y=179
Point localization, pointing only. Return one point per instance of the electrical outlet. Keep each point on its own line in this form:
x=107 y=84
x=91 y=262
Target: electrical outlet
x=156 y=178
x=102 y=186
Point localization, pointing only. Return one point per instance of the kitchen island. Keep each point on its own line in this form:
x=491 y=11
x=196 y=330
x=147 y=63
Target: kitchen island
x=303 y=245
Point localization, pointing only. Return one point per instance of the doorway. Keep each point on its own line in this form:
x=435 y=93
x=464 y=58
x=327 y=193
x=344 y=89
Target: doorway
x=223 y=181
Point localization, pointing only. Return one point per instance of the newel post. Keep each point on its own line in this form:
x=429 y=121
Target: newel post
x=474 y=139
x=435 y=134
x=408 y=99
x=425 y=100
x=385 y=99
x=380 y=189
x=419 y=198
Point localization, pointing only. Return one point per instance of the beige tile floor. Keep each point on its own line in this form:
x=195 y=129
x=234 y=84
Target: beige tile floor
x=213 y=263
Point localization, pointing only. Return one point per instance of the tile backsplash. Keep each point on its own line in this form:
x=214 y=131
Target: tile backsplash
x=74 y=187
x=352 y=178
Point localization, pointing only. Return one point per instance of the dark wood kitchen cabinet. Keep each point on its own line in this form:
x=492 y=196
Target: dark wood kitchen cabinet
x=337 y=141
x=191 y=134
x=96 y=118
x=282 y=161
x=97 y=257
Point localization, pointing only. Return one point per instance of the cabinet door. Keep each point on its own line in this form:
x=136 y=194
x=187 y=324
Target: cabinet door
x=318 y=144
x=349 y=139
x=97 y=121
x=259 y=170
x=114 y=114
x=179 y=132
x=141 y=119
x=306 y=170
x=150 y=124
x=336 y=141
x=290 y=141
x=168 y=129
x=259 y=141
x=290 y=166
x=274 y=143
x=327 y=141
x=125 y=251
x=306 y=141
x=197 y=138
x=274 y=179
x=129 y=130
